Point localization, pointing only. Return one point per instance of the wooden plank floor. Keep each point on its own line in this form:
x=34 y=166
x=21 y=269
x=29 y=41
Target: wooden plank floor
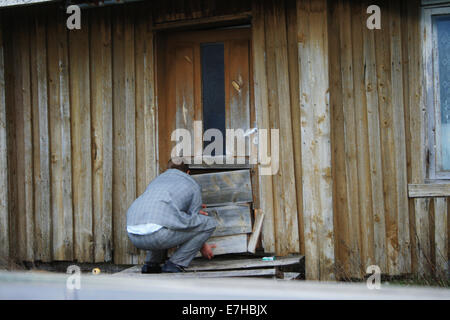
x=264 y=272
x=230 y=264
x=228 y=267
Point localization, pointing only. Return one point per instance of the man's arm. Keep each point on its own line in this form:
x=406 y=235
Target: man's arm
x=196 y=202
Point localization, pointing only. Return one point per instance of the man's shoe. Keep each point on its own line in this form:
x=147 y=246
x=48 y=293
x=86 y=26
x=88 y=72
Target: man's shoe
x=151 y=268
x=171 y=267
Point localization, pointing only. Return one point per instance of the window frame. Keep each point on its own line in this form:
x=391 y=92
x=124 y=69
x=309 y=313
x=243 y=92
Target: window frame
x=432 y=93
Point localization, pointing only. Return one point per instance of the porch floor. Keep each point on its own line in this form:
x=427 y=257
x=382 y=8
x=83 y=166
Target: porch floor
x=288 y=268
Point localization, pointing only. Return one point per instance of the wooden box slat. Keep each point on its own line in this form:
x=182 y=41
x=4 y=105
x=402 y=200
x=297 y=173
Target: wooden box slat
x=228 y=244
x=225 y=187
x=231 y=219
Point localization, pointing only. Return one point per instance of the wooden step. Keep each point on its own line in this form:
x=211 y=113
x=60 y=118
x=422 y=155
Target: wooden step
x=233 y=273
x=225 y=267
x=230 y=264
x=264 y=272
x=221 y=264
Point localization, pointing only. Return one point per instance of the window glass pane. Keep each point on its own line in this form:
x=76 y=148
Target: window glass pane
x=443 y=39
x=213 y=88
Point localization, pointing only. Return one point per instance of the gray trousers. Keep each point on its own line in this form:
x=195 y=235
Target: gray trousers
x=189 y=242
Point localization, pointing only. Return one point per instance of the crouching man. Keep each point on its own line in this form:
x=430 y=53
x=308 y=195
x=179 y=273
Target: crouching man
x=168 y=214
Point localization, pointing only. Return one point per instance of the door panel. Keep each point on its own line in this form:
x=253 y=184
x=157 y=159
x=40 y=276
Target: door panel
x=184 y=86
x=191 y=94
x=237 y=81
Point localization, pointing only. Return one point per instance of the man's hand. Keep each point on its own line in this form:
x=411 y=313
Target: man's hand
x=203 y=212
x=206 y=251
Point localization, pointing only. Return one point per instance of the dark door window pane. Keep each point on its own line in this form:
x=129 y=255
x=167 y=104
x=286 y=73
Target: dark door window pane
x=213 y=87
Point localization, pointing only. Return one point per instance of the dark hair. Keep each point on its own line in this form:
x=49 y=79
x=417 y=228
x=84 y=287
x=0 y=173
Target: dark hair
x=178 y=163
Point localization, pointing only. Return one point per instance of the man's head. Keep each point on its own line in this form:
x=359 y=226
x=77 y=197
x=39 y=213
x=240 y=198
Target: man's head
x=178 y=163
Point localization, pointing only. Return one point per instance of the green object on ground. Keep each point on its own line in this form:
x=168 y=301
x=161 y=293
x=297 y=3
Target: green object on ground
x=268 y=258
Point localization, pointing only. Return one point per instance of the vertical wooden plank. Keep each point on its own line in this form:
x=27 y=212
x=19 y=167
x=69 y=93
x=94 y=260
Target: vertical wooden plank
x=399 y=138
x=309 y=206
x=342 y=240
x=274 y=120
x=422 y=235
x=286 y=221
x=119 y=105
x=384 y=83
x=374 y=140
x=24 y=224
x=238 y=100
x=417 y=125
x=161 y=91
x=291 y=20
x=124 y=155
x=41 y=150
x=145 y=104
x=316 y=149
x=198 y=99
x=372 y=216
x=407 y=23
x=184 y=87
x=170 y=119
x=146 y=113
x=431 y=259
x=10 y=104
x=262 y=116
x=256 y=232
x=351 y=142
x=81 y=141
x=101 y=106
x=441 y=237
x=60 y=138
x=4 y=210
x=130 y=141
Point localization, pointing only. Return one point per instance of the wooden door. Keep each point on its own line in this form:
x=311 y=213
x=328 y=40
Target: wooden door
x=203 y=76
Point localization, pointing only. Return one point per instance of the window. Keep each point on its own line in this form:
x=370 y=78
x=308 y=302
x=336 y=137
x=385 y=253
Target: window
x=437 y=55
x=213 y=88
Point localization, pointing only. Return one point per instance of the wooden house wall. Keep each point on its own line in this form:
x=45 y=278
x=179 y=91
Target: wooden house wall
x=379 y=143
x=78 y=112
x=291 y=81
x=369 y=143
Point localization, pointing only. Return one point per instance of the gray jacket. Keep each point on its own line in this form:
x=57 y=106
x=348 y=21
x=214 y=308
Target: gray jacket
x=172 y=200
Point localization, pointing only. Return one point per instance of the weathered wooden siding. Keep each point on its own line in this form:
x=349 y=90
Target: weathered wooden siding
x=378 y=142
x=377 y=115
x=78 y=120
x=278 y=193
x=4 y=215
x=369 y=144
x=80 y=114
x=291 y=86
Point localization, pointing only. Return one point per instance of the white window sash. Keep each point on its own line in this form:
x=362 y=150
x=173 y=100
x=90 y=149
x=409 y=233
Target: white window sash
x=432 y=93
